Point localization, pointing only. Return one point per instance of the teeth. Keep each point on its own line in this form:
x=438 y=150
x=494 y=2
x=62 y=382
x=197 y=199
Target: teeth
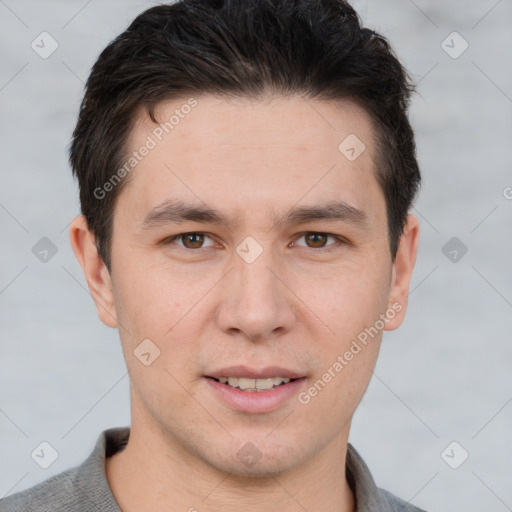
x=246 y=384
x=265 y=383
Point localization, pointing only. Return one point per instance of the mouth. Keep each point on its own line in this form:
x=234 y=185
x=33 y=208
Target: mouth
x=254 y=385
x=255 y=391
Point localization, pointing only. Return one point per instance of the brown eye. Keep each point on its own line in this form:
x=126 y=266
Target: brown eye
x=190 y=240
x=193 y=240
x=316 y=240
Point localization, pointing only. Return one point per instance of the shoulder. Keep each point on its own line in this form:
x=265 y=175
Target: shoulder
x=396 y=504
x=83 y=488
x=55 y=494
x=369 y=497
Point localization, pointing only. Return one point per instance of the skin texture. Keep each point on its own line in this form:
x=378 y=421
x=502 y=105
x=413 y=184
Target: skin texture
x=206 y=308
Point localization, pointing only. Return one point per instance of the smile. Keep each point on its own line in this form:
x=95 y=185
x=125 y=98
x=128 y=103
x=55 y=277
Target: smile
x=247 y=384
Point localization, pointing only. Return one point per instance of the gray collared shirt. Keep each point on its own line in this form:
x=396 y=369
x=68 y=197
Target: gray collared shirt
x=85 y=488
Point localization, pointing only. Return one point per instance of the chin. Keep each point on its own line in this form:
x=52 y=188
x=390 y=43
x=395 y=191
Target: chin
x=249 y=461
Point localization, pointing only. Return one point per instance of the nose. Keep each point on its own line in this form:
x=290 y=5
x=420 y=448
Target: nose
x=257 y=302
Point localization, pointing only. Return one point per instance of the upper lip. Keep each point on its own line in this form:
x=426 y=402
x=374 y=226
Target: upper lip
x=253 y=373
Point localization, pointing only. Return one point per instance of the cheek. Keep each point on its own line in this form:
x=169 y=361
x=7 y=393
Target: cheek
x=349 y=308
x=340 y=392
x=147 y=298
x=348 y=300
x=153 y=304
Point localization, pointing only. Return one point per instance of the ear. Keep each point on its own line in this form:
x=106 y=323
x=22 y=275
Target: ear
x=95 y=271
x=402 y=271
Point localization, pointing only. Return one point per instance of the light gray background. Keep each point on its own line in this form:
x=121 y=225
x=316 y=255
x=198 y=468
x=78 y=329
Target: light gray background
x=444 y=376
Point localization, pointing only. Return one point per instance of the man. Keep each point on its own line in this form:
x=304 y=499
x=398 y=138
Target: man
x=246 y=170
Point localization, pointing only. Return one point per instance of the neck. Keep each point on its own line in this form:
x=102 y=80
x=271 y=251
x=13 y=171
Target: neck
x=155 y=472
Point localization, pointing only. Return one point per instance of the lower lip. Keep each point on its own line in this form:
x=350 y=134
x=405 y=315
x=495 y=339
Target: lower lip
x=256 y=401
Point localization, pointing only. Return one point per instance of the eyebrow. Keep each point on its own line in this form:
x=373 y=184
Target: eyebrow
x=331 y=211
x=177 y=212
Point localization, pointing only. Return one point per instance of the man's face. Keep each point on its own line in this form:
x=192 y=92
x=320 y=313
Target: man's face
x=263 y=292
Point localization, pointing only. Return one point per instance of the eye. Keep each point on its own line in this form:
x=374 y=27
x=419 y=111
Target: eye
x=315 y=240
x=189 y=240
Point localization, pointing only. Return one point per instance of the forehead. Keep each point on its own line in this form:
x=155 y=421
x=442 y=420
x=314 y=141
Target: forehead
x=270 y=121
x=248 y=154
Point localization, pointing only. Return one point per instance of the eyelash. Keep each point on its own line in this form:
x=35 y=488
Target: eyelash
x=330 y=248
